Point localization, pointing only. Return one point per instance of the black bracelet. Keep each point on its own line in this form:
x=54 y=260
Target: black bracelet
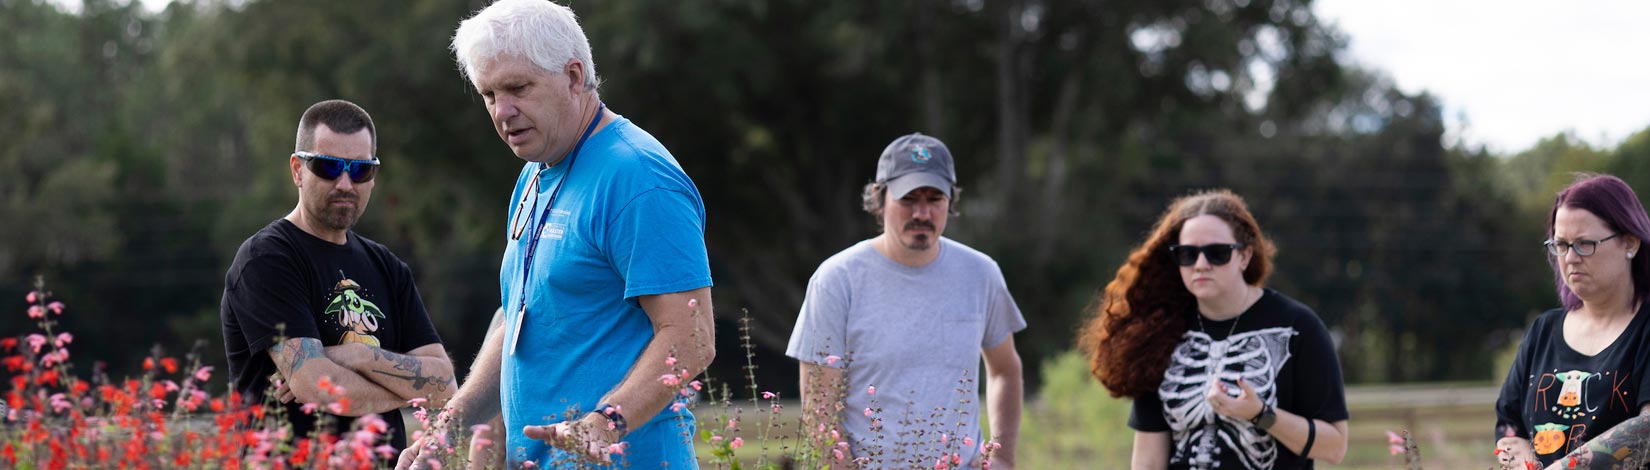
x=1311 y=435
x=615 y=420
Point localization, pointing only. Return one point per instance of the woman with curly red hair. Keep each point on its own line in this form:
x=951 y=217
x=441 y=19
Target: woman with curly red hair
x=1224 y=373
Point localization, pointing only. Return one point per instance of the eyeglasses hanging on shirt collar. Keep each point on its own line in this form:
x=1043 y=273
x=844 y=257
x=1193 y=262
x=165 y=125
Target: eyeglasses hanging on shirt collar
x=529 y=201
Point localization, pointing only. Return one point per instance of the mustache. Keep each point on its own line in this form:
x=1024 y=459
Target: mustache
x=337 y=196
x=919 y=223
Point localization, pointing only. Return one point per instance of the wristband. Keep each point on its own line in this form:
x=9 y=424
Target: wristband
x=615 y=420
x=1311 y=435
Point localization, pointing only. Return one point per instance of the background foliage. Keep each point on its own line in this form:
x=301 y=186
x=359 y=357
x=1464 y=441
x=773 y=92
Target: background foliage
x=138 y=149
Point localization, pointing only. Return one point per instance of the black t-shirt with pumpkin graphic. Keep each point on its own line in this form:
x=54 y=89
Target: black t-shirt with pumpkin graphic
x=286 y=283
x=1559 y=398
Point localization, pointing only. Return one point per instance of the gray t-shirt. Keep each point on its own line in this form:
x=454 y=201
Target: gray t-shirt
x=916 y=334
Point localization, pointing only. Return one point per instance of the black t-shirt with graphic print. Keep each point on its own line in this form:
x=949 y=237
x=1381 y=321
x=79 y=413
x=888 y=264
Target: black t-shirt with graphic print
x=1284 y=352
x=1559 y=398
x=355 y=292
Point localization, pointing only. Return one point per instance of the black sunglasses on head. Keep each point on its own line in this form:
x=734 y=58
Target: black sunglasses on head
x=330 y=168
x=1218 y=253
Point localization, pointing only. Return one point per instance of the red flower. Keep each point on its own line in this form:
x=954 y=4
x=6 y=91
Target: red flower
x=170 y=364
x=148 y=363
x=7 y=344
x=47 y=376
x=300 y=455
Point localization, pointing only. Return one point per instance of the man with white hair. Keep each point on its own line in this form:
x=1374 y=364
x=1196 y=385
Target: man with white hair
x=605 y=279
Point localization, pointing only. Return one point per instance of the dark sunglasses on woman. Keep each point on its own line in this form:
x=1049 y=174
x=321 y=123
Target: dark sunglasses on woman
x=1218 y=253
x=329 y=167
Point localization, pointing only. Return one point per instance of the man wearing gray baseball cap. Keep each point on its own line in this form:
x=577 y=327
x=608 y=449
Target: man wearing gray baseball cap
x=892 y=329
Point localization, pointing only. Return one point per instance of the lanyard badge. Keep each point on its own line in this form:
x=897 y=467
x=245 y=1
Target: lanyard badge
x=539 y=221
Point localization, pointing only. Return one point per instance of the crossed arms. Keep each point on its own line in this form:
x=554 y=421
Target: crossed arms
x=374 y=380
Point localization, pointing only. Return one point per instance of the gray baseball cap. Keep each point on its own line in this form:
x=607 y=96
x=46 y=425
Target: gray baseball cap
x=914 y=161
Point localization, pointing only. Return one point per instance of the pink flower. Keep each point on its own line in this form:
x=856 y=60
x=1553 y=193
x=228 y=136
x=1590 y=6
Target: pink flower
x=842 y=445
x=385 y=450
x=422 y=416
x=769 y=395
x=170 y=385
x=61 y=403
x=36 y=312
x=831 y=359
x=867 y=412
x=1395 y=449
x=696 y=385
x=417 y=402
x=670 y=360
x=1394 y=439
x=336 y=408
x=968 y=442
x=64 y=338
x=942 y=463
x=715 y=439
x=670 y=380
x=837 y=453
x=737 y=443
x=529 y=464
x=693 y=303
x=944 y=438
x=57 y=307
x=309 y=408
x=733 y=423
x=33 y=296
x=36 y=341
x=876 y=423
x=617 y=448
x=871 y=390
x=677 y=406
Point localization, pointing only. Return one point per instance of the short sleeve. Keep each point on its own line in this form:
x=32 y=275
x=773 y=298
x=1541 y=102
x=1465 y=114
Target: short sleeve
x=822 y=326
x=1320 y=392
x=268 y=301
x=416 y=328
x=657 y=244
x=1509 y=407
x=1005 y=318
x=1146 y=415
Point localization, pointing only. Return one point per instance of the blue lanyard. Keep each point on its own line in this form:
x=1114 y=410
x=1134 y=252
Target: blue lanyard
x=540 y=221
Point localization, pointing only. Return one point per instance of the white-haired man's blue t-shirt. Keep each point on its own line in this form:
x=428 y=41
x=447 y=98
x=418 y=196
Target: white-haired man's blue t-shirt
x=627 y=222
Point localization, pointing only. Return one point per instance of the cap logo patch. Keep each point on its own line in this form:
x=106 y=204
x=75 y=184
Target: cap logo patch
x=920 y=154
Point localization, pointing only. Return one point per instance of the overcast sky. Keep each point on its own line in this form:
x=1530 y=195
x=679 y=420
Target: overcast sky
x=1518 y=70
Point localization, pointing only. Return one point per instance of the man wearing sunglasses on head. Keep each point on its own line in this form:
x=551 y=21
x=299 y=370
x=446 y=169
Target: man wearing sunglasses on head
x=910 y=313
x=605 y=280
x=315 y=313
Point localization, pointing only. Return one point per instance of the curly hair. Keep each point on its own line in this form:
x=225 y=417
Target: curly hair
x=1142 y=313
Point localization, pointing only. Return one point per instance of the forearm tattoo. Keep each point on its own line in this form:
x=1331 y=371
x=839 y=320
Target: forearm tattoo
x=295 y=357
x=414 y=370
x=1627 y=445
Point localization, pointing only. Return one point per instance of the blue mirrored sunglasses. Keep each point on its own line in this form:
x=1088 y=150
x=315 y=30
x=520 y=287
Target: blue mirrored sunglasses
x=330 y=167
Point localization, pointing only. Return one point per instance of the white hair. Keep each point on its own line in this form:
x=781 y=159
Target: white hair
x=541 y=31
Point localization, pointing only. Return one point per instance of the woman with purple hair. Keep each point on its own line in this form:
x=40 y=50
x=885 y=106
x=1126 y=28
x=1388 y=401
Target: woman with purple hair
x=1578 y=394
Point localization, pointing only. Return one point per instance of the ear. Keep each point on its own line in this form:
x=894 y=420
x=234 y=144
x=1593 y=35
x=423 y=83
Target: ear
x=297 y=165
x=575 y=76
x=1631 y=242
